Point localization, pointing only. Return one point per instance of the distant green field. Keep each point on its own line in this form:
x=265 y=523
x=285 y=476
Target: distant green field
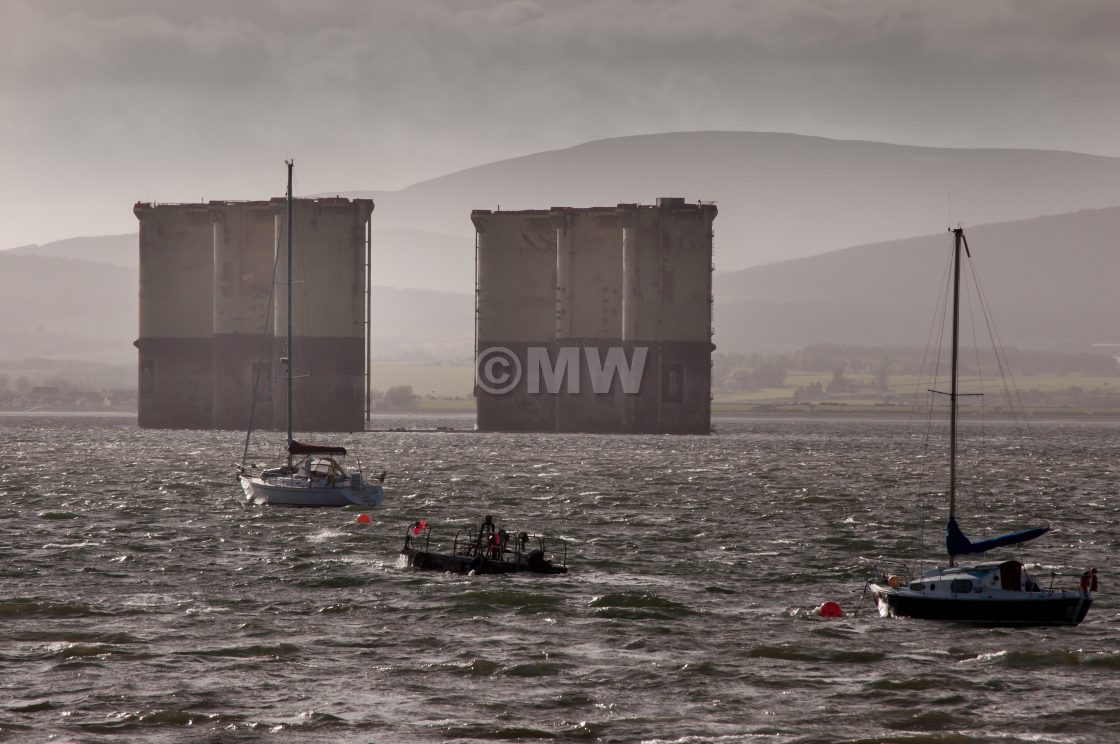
x=450 y=381
x=1070 y=394
x=449 y=387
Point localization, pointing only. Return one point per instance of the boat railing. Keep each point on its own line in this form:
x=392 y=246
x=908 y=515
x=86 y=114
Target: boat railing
x=466 y=543
x=412 y=538
x=883 y=569
x=564 y=553
x=471 y=542
x=1088 y=583
x=563 y=550
x=521 y=550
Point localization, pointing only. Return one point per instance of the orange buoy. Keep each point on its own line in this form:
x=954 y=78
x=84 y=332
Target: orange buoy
x=363 y=519
x=830 y=609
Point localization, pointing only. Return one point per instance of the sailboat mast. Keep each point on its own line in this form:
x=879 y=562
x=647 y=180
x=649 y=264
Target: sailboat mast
x=290 y=164
x=958 y=234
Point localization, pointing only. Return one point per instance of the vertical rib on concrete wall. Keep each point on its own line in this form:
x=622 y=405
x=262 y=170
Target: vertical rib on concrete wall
x=328 y=312
x=517 y=308
x=596 y=317
x=669 y=294
x=244 y=259
x=176 y=327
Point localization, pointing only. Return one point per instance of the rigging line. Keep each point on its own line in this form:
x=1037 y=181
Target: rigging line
x=971 y=275
x=1008 y=381
x=981 y=455
x=1010 y=389
x=945 y=327
x=260 y=355
x=307 y=358
x=940 y=313
x=919 y=382
x=943 y=315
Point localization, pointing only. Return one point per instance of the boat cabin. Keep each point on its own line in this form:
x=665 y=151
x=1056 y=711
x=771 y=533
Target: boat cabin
x=981 y=579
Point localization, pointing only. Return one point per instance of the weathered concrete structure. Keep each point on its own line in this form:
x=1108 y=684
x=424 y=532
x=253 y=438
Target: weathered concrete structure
x=244 y=254
x=328 y=312
x=603 y=315
x=176 y=321
x=206 y=281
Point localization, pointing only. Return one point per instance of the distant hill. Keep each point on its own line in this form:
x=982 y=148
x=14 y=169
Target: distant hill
x=402 y=257
x=53 y=307
x=423 y=259
x=58 y=308
x=1051 y=283
x=780 y=196
x=119 y=250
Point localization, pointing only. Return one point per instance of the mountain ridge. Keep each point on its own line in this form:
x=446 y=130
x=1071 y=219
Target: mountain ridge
x=780 y=195
x=1049 y=279
x=775 y=185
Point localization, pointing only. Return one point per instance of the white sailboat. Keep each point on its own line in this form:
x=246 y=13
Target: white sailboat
x=311 y=474
x=991 y=593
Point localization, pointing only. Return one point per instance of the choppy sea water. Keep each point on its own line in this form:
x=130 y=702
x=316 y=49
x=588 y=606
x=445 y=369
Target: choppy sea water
x=142 y=600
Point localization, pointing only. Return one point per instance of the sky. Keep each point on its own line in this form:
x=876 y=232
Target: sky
x=104 y=103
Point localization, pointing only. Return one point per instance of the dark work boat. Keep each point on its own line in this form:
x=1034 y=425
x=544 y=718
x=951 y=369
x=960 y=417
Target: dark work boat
x=995 y=593
x=485 y=550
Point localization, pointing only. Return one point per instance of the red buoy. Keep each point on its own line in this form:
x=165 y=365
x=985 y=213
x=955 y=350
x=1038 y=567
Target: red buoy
x=830 y=609
x=363 y=519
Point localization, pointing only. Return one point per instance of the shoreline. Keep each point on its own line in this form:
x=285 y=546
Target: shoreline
x=751 y=412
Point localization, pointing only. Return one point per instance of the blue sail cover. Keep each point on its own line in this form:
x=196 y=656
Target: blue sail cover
x=957 y=544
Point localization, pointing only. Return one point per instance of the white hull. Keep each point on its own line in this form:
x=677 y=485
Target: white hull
x=984 y=594
x=283 y=491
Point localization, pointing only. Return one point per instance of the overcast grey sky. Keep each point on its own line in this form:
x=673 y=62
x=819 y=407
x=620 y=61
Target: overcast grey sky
x=107 y=102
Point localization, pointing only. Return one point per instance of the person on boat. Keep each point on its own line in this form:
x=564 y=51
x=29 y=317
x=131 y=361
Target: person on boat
x=485 y=535
x=498 y=542
x=414 y=530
